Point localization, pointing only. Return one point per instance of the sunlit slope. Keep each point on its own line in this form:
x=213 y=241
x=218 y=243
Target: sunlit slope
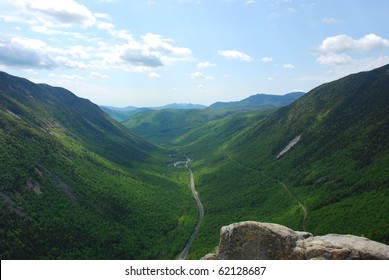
x=166 y=126
x=336 y=167
x=76 y=185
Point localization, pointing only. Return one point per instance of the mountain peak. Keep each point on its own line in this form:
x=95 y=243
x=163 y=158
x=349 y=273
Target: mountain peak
x=260 y=100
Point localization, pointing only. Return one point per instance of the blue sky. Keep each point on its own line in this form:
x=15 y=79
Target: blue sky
x=149 y=53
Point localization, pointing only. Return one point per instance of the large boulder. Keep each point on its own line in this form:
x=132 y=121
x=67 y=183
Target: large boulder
x=264 y=241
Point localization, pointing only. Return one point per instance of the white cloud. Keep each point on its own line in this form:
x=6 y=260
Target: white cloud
x=234 y=54
x=199 y=75
x=47 y=31
x=102 y=15
x=201 y=87
x=344 y=43
x=32 y=53
x=154 y=75
x=329 y=21
x=80 y=52
x=62 y=61
x=249 y=2
x=288 y=66
x=153 y=52
x=333 y=58
x=266 y=59
x=121 y=51
x=140 y=57
x=334 y=50
x=58 y=13
x=122 y=35
x=66 y=12
x=99 y=75
x=205 y=64
x=157 y=43
x=106 y=26
x=72 y=77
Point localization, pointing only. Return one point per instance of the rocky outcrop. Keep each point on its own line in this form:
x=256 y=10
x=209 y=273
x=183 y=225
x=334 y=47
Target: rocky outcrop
x=264 y=241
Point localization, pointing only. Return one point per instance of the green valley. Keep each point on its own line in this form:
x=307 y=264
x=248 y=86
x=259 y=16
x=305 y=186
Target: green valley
x=76 y=184
x=319 y=164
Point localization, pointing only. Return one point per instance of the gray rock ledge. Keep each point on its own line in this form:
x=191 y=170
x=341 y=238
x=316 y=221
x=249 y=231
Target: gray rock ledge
x=264 y=241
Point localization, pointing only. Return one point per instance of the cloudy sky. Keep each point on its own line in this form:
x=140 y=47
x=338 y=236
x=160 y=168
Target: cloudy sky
x=148 y=53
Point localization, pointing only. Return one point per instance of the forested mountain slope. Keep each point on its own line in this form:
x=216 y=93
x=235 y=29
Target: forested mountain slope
x=53 y=108
x=319 y=164
x=74 y=184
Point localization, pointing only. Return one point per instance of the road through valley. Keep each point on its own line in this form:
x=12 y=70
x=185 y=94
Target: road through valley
x=201 y=212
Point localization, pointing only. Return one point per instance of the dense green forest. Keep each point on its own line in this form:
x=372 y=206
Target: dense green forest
x=333 y=180
x=76 y=185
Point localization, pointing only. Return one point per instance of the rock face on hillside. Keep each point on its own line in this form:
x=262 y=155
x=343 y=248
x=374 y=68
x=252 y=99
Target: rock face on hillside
x=264 y=241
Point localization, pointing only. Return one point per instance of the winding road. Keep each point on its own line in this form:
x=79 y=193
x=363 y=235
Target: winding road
x=201 y=213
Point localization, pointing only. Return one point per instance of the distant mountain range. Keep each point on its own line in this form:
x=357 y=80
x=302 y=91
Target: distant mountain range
x=257 y=101
x=122 y=114
x=260 y=100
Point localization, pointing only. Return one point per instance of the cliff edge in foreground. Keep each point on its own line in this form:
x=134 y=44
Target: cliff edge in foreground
x=264 y=241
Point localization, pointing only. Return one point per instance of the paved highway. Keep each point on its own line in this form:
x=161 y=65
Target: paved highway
x=201 y=213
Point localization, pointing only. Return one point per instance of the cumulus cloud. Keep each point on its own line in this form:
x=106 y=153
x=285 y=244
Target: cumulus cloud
x=32 y=53
x=59 y=13
x=153 y=51
x=139 y=57
x=67 y=12
x=205 y=64
x=343 y=43
x=336 y=49
x=157 y=43
x=51 y=18
x=249 y=2
x=234 y=54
